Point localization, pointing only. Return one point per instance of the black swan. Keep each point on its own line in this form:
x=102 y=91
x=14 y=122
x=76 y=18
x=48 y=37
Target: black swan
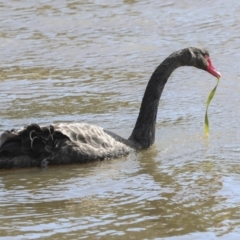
x=35 y=145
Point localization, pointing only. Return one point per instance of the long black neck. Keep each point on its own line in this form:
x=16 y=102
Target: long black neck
x=143 y=134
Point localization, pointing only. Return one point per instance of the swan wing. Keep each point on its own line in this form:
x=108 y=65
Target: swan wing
x=92 y=141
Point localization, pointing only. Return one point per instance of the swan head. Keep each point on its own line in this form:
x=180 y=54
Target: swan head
x=200 y=58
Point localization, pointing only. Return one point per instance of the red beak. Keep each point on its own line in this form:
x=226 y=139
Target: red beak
x=211 y=69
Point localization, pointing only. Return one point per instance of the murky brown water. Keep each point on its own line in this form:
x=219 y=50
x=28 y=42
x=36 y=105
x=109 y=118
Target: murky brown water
x=90 y=61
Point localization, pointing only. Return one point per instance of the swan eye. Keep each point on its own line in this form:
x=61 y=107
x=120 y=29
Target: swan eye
x=207 y=58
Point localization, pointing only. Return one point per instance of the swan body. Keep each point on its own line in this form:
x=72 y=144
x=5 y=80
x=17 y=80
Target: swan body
x=62 y=143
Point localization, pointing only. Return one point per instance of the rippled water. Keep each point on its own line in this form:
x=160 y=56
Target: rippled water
x=90 y=61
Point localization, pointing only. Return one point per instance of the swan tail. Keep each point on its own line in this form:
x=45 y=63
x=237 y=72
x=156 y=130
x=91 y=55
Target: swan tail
x=30 y=144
